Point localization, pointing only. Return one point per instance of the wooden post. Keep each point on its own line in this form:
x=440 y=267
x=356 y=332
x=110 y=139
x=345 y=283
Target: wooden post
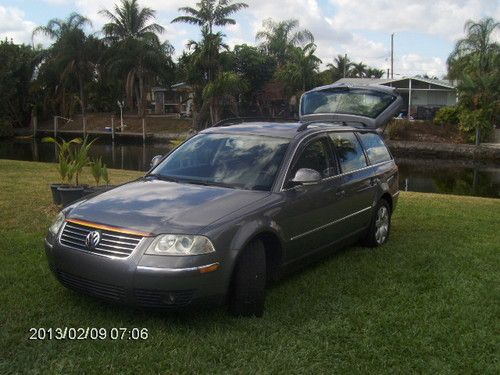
x=143 y=129
x=55 y=126
x=84 y=123
x=35 y=124
x=113 y=128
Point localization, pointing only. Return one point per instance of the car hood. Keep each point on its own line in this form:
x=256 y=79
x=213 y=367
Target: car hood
x=157 y=206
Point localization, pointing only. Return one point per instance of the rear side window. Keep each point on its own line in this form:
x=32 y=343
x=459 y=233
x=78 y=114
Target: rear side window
x=349 y=151
x=374 y=147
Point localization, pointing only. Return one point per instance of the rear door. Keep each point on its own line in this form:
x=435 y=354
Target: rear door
x=358 y=186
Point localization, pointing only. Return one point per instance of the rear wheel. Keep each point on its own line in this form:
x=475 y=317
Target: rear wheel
x=380 y=225
x=249 y=281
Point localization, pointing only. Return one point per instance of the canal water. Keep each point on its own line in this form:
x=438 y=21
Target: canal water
x=424 y=175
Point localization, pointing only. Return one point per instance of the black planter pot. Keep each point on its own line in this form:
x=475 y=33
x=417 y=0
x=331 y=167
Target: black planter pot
x=56 y=196
x=97 y=189
x=70 y=194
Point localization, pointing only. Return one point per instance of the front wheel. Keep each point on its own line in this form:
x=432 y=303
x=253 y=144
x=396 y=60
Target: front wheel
x=249 y=281
x=380 y=225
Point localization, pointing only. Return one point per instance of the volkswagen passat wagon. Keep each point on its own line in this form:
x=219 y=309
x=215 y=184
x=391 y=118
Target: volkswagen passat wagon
x=236 y=205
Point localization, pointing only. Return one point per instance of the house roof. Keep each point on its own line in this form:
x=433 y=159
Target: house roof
x=386 y=81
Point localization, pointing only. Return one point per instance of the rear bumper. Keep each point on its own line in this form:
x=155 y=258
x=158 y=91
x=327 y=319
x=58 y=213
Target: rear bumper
x=139 y=280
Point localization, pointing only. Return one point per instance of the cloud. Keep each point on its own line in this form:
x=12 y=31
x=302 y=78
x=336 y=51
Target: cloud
x=413 y=64
x=444 y=18
x=13 y=25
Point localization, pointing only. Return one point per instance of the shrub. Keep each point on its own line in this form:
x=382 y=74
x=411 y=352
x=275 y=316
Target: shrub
x=447 y=116
x=6 y=129
x=471 y=120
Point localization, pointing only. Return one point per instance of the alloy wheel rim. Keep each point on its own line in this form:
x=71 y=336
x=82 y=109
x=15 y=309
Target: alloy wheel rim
x=382 y=225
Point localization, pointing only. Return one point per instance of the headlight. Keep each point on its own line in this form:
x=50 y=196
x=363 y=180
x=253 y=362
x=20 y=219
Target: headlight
x=173 y=244
x=57 y=224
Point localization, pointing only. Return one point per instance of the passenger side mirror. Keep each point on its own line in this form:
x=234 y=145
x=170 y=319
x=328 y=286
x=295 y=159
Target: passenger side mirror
x=306 y=176
x=155 y=161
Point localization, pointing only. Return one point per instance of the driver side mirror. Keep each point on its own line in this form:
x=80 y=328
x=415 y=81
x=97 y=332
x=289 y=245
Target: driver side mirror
x=306 y=176
x=155 y=161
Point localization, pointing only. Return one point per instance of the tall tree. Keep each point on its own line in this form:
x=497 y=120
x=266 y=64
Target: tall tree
x=299 y=73
x=19 y=64
x=72 y=53
x=210 y=13
x=358 y=70
x=477 y=51
x=278 y=38
x=340 y=68
x=129 y=21
x=475 y=63
x=206 y=53
x=136 y=51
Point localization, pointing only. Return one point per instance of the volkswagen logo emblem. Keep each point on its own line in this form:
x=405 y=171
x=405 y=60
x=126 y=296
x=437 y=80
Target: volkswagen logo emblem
x=92 y=240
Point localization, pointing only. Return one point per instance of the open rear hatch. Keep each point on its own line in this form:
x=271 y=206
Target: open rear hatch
x=368 y=106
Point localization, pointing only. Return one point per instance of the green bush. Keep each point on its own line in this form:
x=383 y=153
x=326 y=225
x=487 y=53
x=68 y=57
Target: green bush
x=447 y=116
x=6 y=129
x=471 y=120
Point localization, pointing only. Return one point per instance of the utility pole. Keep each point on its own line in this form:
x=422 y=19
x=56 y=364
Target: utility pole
x=392 y=55
x=345 y=63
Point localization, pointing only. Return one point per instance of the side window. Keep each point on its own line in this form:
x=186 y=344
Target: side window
x=374 y=147
x=316 y=155
x=349 y=151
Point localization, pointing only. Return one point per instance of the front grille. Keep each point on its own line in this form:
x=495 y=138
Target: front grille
x=159 y=298
x=112 y=243
x=101 y=290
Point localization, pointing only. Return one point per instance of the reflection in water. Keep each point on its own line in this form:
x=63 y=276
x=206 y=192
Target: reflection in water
x=446 y=177
x=449 y=177
x=122 y=155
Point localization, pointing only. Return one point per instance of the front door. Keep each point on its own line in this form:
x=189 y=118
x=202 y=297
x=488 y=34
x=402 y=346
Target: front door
x=311 y=209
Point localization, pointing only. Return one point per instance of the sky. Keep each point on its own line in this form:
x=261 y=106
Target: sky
x=425 y=30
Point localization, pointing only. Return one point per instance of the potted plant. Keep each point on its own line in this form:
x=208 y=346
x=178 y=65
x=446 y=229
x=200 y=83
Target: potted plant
x=100 y=172
x=63 y=166
x=78 y=158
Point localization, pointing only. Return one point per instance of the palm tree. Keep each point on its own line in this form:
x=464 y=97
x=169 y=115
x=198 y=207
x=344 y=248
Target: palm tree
x=358 y=70
x=73 y=52
x=374 y=73
x=475 y=63
x=136 y=52
x=299 y=73
x=277 y=38
x=477 y=51
x=341 y=67
x=210 y=13
x=129 y=21
x=224 y=89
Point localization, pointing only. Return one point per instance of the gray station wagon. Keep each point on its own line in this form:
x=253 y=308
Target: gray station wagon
x=235 y=206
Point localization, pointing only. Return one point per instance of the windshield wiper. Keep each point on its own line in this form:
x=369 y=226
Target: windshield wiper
x=206 y=183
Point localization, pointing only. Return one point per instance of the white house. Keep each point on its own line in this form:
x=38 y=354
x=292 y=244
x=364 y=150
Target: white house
x=421 y=96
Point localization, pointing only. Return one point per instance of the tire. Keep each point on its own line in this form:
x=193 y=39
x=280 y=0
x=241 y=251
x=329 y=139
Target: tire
x=249 y=281
x=380 y=226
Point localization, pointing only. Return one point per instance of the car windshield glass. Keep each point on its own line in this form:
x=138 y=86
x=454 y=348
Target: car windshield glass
x=361 y=102
x=229 y=160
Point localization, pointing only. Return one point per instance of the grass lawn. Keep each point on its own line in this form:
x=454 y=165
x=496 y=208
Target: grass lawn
x=426 y=302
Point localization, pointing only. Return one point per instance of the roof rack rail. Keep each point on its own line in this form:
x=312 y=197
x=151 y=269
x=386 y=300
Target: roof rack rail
x=342 y=122
x=239 y=120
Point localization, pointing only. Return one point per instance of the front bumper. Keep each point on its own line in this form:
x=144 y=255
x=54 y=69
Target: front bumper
x=140 y=280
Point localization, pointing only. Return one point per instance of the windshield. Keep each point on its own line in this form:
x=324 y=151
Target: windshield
x=360 y=102
x=236 y=161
